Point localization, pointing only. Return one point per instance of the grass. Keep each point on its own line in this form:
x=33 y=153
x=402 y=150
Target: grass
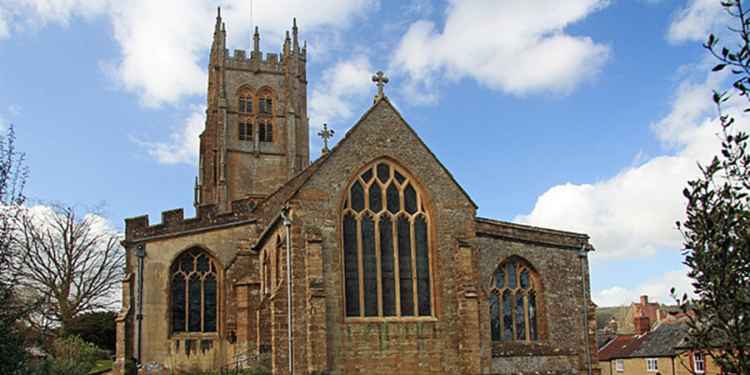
x=102 y=365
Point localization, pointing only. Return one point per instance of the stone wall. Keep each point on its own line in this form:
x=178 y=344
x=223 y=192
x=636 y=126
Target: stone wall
x=228 y=246
x=564 y=277
x=429 y=346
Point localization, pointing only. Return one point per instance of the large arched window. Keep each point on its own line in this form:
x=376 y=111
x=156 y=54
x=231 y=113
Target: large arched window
x=194 y=292
x=386 y=245
x=514 y=302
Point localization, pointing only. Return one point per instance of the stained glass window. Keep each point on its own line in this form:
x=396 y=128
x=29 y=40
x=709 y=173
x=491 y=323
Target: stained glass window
x=386 y=246
x=517 y=316
x=194 y=292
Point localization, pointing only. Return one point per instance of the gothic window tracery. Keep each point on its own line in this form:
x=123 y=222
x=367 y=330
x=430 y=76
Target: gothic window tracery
x=385 y=229
x=194 y=292
x=514 y=302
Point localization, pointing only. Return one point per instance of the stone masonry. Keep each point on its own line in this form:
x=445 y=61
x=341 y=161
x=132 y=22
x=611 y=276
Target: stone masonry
x=241 y=193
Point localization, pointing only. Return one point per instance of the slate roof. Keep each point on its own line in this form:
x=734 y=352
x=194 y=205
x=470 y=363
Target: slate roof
x=661 y=342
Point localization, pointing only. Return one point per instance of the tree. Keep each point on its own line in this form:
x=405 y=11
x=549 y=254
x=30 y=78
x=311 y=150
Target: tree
x=13 y=174
x=97 y=327
x=717 y=228
x=72 y=262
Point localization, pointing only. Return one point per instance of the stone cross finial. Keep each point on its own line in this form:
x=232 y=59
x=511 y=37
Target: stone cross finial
x=326 y=134
x=380 y=80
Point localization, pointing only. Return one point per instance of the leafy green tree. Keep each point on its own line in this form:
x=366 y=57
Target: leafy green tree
x=717 y=227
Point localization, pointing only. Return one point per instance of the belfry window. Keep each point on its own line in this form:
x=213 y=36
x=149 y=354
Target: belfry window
x=246 y=103
x=194 y=292
x=514 y=302
x=265 y=105
x=265 y=131
x=246 y=131
x=386 y=243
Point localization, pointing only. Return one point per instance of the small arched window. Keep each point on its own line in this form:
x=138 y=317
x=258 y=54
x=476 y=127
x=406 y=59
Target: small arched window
x=386 y=245
x=514 y=302
x=194 y=292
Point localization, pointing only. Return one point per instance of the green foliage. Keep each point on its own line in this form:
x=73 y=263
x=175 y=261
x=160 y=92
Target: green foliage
x=97 y=328
x=73 y=356
x=717 y=229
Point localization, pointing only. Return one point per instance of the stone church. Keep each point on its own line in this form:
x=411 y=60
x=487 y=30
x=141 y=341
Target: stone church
x=368 y=260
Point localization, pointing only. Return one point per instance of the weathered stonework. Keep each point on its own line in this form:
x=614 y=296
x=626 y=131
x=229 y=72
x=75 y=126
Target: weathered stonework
x=247 y=238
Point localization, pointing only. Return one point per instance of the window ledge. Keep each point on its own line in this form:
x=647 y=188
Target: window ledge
x=194 y=336
x=422 y=319
x=525 y=348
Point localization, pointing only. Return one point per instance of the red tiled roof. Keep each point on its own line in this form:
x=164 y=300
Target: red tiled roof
x=619 y=347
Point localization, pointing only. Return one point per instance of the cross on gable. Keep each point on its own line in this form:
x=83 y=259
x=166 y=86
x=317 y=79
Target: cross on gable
x=380 y=80
x=326 y=134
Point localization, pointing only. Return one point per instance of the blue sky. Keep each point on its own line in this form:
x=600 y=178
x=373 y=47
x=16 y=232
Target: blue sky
x=586 y=115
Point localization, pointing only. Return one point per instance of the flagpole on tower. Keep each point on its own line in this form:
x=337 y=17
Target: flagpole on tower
x=252 y=26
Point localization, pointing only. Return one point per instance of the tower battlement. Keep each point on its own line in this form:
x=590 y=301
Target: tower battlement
x=265 y=62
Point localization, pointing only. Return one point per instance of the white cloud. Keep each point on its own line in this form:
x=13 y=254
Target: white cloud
x=658 y=289
x=696 y=20
x=4 y=27
x=164 y=44
x=340 y=84
x=633 y=213
x=517 y=47
x=183 y=145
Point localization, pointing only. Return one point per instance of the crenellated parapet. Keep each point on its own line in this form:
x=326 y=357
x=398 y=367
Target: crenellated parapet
x=173 y=222
x=259 y=62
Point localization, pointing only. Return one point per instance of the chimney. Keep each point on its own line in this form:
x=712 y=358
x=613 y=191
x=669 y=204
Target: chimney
x=612 y=325
x=644 y=300
x=642 y=325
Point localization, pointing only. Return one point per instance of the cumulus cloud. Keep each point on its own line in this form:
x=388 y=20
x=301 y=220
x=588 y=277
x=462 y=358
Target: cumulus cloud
x=163 y=44
x=633 y=213
x=517 y=47
x=184 y=142
x=696 y=20
x=340 y=84
x=658 y=289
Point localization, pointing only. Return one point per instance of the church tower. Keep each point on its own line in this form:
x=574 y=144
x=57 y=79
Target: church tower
x=256 y=134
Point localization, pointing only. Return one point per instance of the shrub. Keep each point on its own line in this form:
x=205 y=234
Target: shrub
x=96 y=327
x=72 y=356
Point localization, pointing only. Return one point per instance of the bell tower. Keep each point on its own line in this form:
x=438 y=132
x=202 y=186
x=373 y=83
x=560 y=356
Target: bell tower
x=256 y=134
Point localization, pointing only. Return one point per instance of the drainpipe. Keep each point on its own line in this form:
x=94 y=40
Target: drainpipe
x=287 y=225
x=583 y=254
x=140 y=252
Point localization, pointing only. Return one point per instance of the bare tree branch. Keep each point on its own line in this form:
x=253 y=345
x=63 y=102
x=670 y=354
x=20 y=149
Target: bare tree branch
x=72 y=262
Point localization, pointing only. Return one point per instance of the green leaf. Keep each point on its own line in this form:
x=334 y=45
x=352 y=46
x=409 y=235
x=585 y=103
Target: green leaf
x=719 y=67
